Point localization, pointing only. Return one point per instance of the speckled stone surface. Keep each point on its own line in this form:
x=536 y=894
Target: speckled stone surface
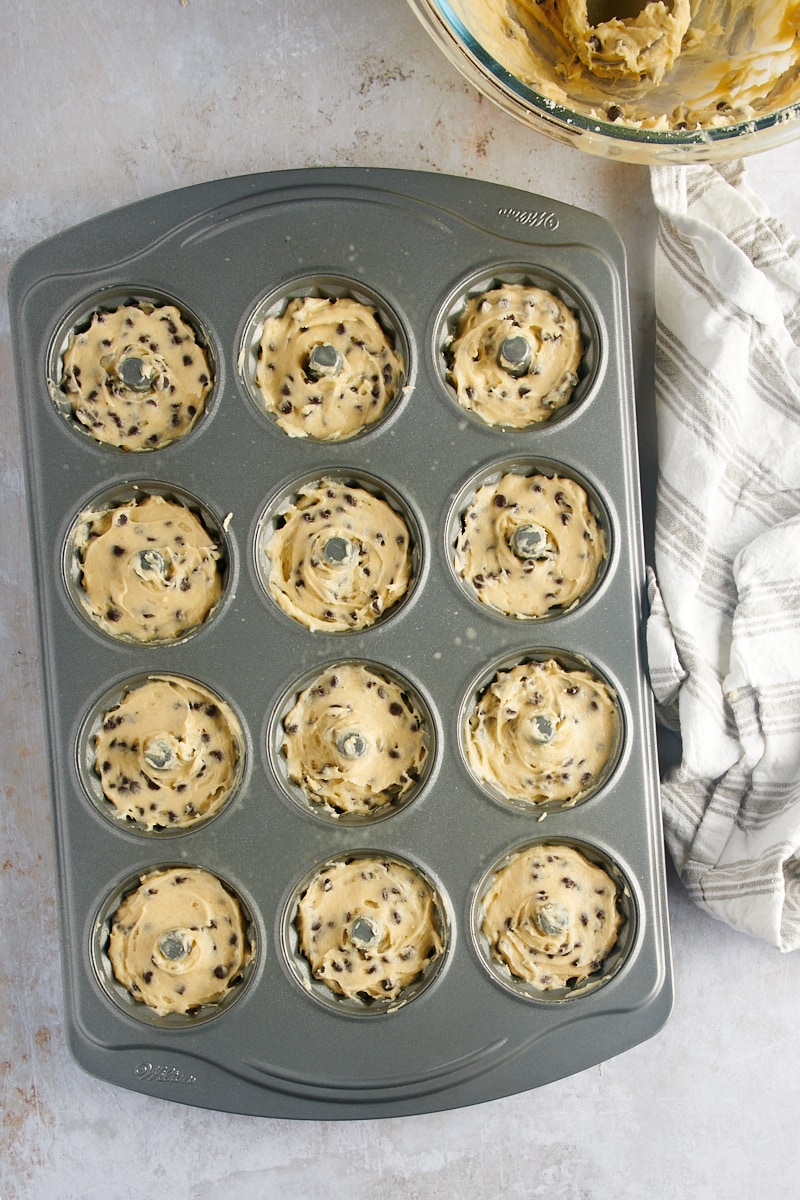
x=103 y=106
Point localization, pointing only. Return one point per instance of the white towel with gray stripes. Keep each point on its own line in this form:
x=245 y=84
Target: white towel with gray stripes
x=723 y=633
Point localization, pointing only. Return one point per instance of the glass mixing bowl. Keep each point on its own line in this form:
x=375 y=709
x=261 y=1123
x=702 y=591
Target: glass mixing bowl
x=733 y=89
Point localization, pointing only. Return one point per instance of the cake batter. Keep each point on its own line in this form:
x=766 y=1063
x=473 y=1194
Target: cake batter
x=179 y=941
x=353 y=741
x=551 y=916
x=530 y=545
x=662 y=65
x=326 y=368
x=515 y=355
x=150 y=570
x=368 y=928
x=341 y=558
x=542 y=733
x=136 y=378
x=167 y=754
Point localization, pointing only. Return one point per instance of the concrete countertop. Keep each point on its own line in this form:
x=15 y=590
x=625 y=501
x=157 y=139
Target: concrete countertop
x=104 y=105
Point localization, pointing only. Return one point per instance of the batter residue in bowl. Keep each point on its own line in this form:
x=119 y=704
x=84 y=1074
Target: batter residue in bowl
x=662 y=65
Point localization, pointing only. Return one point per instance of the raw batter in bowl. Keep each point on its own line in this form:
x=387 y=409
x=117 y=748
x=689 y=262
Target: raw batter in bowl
x=167 y=755
x=642 y=45
x=515 y=355
x=137 y=377
x=530 y=545
x=326 y=368
x=353 y=741
x=179 y=941
x=540 y=733
x=150 y=570
x=663 y=65
x=550 y=916
x=340 y=558
x=369 y=928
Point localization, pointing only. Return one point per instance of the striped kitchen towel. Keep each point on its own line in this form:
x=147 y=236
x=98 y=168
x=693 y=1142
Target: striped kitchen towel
x=723 y=632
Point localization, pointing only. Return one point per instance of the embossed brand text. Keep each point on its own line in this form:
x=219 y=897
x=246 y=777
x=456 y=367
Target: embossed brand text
x=161 y=1073
x=540 y=220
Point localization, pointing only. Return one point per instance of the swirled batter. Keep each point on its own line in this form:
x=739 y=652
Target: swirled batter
x=551 y=916
x=530 y=545
x=353 y=741
x=368 y=927
x=150 y=570
x=179 y=941
x=137 y=377
x=542 y=733
x=515 y=355
x=167 y=754
x=326 y=367
x=341 y=558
